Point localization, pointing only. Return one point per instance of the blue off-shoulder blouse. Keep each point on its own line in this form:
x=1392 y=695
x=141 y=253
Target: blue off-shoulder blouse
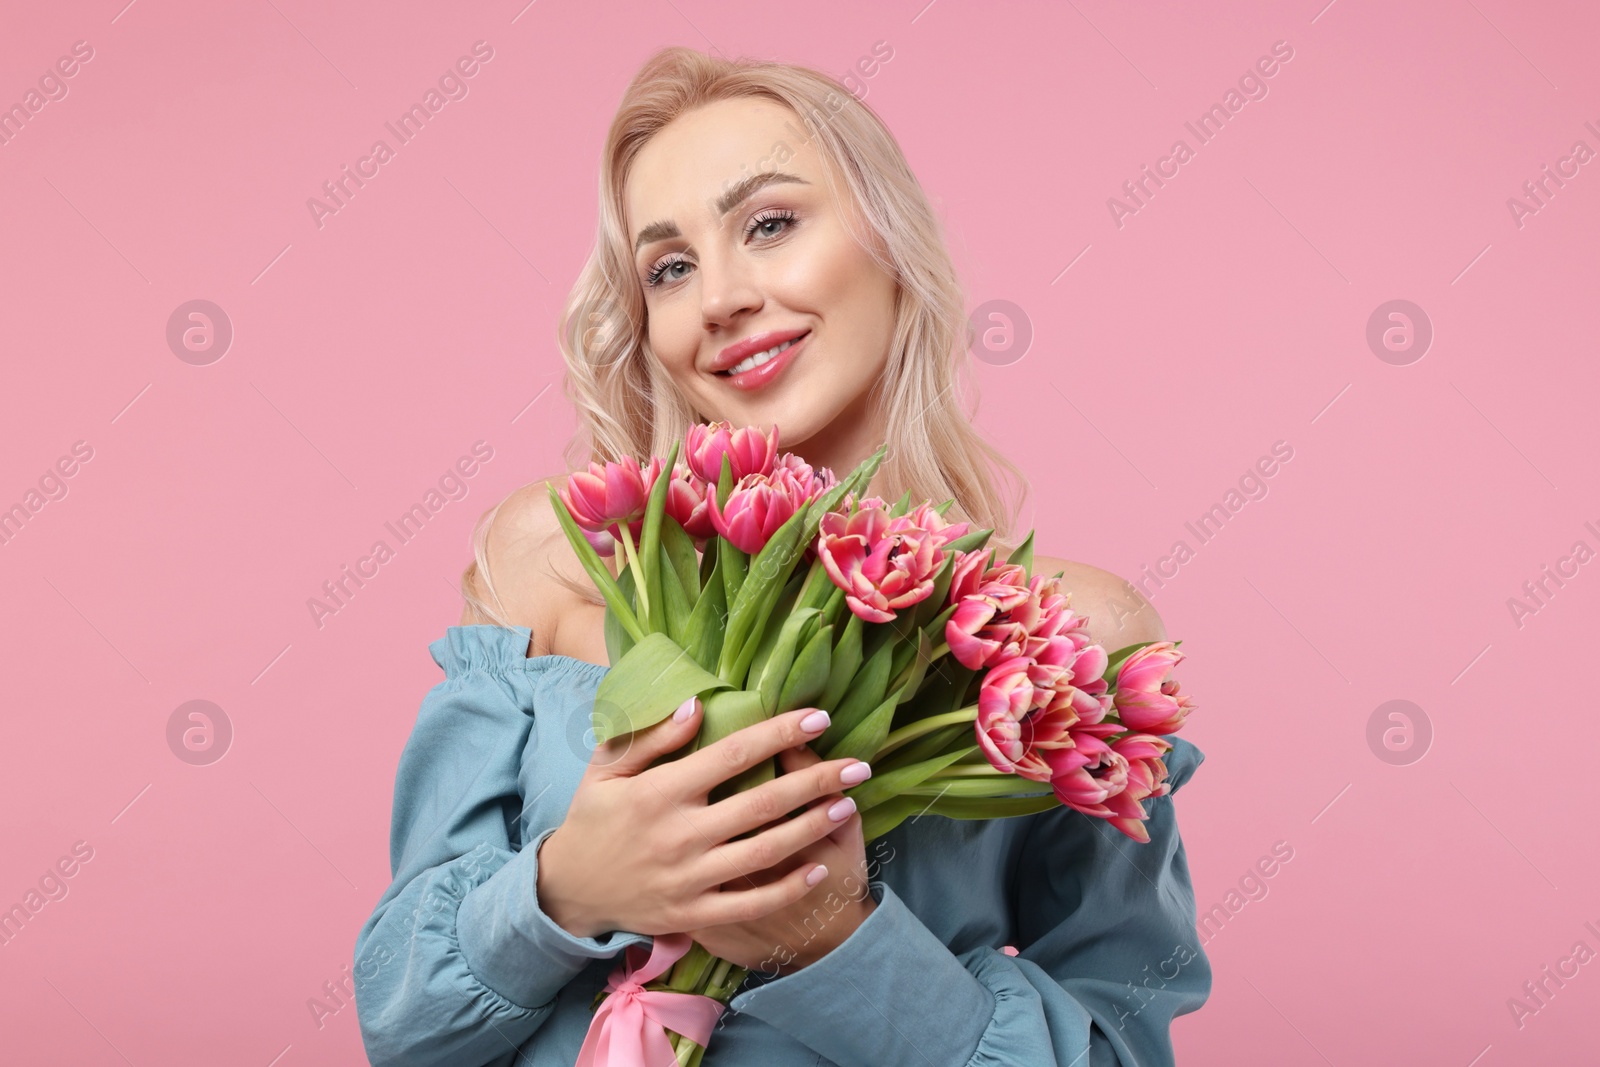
x=458 y=965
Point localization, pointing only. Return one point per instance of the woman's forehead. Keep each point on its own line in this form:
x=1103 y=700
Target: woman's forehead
x=695 y=159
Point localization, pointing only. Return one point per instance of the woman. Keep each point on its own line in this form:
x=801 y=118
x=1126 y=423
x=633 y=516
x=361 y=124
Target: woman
x=765 y=257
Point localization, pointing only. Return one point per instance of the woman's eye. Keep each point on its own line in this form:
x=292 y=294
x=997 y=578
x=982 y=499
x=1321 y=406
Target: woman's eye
x=660 y=272
x=770 y=224
x=766 y=226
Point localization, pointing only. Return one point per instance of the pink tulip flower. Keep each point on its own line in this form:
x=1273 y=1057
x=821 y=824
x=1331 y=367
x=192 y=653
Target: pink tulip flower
x=980 y=631
x=686 y=502
x=758 y=505
x=967 y=574
x=1088 y=774
x=749 y=450
x=926 y=517
x=605 y=494
x=1148 y=667
x=1045 y=730
x=1147 y=777
x=883 y=564
x=1160 y=712
x=1146 y=699
x=603 y=497
x=1007 y=696
x=815 y=481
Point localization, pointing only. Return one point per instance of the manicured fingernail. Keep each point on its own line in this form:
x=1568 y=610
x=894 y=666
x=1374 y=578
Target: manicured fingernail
x=842 y=809
x=816 y=722
x=855 y=773
x=818 y=873
x=685 y=710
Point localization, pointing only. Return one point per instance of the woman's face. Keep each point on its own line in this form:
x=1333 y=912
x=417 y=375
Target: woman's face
x=724 y=261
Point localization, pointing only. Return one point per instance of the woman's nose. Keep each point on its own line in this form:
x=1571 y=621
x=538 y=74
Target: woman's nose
x=727 y=289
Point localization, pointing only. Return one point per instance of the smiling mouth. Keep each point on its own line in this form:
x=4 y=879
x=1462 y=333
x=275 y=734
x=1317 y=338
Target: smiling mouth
x=752 y=362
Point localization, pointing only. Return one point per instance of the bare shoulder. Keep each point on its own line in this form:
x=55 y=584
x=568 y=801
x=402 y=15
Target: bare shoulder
x=1119 y=615
x=522 y=555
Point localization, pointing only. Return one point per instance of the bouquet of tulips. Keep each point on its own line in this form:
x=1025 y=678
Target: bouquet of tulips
x=761 y=585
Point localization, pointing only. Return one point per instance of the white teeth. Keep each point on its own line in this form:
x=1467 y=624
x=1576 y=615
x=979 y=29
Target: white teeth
x=759 y=358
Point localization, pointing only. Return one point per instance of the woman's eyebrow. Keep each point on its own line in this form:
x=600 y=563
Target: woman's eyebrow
x=738 y=194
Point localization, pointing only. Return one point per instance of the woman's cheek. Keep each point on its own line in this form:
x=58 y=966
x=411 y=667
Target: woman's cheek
x=673 y=349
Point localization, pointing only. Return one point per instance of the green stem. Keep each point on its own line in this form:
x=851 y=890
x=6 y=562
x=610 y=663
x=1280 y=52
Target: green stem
x=638 y=574
x=968 y=770
x=719 y=984
x=925 y=726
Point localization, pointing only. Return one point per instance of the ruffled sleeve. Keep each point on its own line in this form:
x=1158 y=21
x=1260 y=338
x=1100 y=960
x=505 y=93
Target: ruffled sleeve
x=1108 y=956
x=458 y=964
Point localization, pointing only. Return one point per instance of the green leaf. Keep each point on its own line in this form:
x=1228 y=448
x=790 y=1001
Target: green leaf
x=1023 y=554
x=987 y=785
x=934 y=603
x=881 y=787
x=598 y=572
x=935 y=626
x=735 y=562
x=835 y=608
x=964 y=679
x=769 y=574
x=863 y=741
x=864 y=694
x=928 y=746
x=992 y=807
x=680 y=551
x=809 y=674
x=846 y=659
x=726 y=712
x=909 y=677
x=886 y=816
x=703 y=636
x=770 y=567
x=970 y=541
x=708 y=560
x=674 y=602
x=772 y=627
x=649 y=550
x=646 y=685
x=901 y=506
x=724 y=481
x=775 y=671
x=818 y=589
x=618 y=640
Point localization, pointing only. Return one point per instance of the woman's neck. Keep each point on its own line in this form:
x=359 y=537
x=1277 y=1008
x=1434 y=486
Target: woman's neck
x=843 y=444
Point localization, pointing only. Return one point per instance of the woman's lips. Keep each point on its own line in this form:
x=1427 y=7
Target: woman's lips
x=761 y=376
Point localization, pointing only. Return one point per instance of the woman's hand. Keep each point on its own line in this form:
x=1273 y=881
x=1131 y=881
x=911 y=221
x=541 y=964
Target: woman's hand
x=798 y=934
x=642 y=850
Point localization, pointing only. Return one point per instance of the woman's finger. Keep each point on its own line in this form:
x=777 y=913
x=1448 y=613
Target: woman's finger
x=798 y=758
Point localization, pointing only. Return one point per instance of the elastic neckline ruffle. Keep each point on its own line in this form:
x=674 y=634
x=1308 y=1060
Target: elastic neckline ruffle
x=499 y=649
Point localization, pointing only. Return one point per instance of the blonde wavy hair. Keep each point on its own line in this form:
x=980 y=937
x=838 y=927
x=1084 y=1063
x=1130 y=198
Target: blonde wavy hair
x=628 y=406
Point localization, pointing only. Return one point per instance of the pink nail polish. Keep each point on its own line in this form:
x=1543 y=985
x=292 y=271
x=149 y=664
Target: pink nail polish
x=816 y=722
x=818 y=873
x=842 y=809
x=856 y=773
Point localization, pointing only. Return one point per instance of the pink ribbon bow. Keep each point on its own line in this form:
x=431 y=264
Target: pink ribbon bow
x=629 y=1028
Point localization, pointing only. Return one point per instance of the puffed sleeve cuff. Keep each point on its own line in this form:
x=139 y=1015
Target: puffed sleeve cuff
x=516 y=949
x=890 y=991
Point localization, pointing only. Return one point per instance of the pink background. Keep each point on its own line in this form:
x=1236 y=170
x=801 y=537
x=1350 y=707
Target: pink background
x=1227 y=314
